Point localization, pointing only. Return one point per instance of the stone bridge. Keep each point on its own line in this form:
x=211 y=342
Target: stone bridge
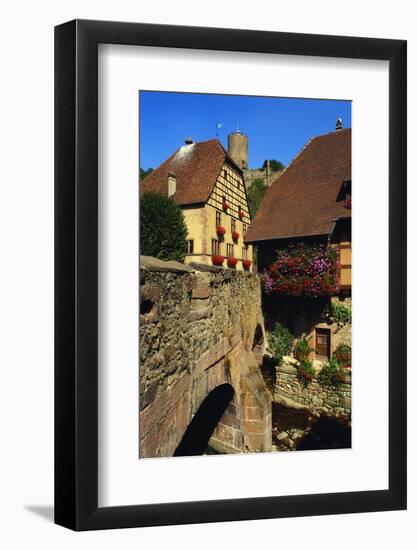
x=201 y=343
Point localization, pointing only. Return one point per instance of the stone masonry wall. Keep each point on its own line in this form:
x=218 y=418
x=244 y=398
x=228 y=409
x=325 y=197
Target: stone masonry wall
x=309 y=416
x=197 y=327
x=331 y=401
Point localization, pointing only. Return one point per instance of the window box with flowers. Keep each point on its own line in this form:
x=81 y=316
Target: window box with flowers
x=304 y=270
x=235 y=236
x=217 y=259
x=220 y=230
x=246 y=263
x=231 y=262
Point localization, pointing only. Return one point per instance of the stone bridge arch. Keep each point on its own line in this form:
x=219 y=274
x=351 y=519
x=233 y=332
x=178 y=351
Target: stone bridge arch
x=198 y=340
x=218 y=404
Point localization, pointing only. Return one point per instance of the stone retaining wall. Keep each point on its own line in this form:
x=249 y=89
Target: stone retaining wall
x=331 y=401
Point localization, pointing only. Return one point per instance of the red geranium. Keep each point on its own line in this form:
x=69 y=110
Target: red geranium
x=235 y=235
x=231 y=261
x=225 y=206
x=241 y=214
x=217 y=260
x=246 y=263
x=220 y=230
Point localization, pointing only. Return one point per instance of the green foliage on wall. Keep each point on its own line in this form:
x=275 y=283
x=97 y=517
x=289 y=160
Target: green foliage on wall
x=163 y=231
x=341 y=313
x=256 y=193
x=305 y=371
x=280 y=342
x=332 y=373
x=274 y=165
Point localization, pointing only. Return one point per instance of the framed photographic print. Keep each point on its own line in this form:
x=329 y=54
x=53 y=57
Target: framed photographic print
x=230 y=275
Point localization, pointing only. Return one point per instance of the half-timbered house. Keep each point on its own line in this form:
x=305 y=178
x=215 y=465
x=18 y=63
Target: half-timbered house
x=208 y=185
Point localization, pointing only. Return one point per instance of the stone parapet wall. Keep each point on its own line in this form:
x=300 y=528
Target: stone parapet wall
x=197 y=327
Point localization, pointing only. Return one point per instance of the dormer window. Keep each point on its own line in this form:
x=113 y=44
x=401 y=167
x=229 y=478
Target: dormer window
x=345 y=194
x=348 y=201
x=172 y=184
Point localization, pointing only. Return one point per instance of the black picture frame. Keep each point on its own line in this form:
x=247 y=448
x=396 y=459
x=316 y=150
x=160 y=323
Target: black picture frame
x=76 y=272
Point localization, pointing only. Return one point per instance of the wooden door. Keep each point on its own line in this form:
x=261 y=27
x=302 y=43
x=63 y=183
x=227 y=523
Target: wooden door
x=323 y=343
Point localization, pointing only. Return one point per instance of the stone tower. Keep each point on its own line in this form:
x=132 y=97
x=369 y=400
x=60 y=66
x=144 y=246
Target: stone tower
x=238 y=149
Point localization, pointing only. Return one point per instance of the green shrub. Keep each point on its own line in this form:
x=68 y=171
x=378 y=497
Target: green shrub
x=332 y=373
x=305 y=371
x=343 y=354
x=163 y=232
x=280 y=342
x=256 y=192
x=302 y=348
x=342 y=314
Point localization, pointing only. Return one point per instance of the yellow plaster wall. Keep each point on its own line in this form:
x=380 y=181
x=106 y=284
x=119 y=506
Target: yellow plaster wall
x=201 y=220
x=345 y=264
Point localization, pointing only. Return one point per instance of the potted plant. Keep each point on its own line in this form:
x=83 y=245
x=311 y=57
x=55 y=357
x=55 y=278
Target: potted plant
x=302 y=349
x=305 y=371
x=217 y=260
x=220 y=230
x=235 y=236
x=241 y=214
x=225 y=206
x=332 y=373
x=231 y=261
x=246 y=263
x=343 y=354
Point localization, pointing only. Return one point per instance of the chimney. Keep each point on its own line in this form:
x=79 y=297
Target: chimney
x=189 y=141
x=339 y=125
x=172 y=184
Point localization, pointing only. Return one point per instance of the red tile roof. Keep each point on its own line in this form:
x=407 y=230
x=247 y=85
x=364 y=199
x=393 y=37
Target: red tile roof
x=302 y=201
x=196 y=168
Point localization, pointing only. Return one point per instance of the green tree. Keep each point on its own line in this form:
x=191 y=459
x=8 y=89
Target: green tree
x=274 y=165
x=143 y=173
x=163 y=232
x=256 y=193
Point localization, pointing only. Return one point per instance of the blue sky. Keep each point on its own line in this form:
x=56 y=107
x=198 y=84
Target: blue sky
x=277 y=127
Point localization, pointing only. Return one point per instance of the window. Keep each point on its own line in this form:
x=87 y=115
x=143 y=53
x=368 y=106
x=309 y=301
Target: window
x=230 y=251
x=225 y=174
x=215 y=247
x=233 y=224
x=245 y=228
x=218 y=218
x=190 y=246
x=245 y=253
